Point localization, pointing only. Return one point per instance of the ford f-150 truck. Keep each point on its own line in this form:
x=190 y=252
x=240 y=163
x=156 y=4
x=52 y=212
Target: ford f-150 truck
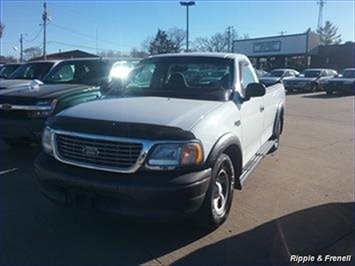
x=186 y=130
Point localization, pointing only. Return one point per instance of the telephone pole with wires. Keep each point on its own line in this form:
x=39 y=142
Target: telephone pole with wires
x=45 y=18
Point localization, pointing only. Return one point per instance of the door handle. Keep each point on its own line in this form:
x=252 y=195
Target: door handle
x=262 y=108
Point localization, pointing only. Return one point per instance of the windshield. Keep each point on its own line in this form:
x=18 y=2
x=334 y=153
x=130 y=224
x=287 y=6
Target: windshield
x=276 y=73
x=87 y=72
x=312 y=73
x=350 y=74
x=7 y=70
x=32 y=71
x=181 y=77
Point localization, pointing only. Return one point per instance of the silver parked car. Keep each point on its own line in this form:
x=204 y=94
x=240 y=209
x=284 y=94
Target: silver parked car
x=278 y=75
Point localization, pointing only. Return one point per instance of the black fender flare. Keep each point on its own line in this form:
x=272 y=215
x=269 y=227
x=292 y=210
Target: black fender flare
x=229 y=144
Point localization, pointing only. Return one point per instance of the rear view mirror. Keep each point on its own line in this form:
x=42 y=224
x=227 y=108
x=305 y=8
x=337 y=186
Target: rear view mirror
x=254 y=90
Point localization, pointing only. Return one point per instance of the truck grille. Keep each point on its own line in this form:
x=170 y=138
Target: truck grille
x=83 y=151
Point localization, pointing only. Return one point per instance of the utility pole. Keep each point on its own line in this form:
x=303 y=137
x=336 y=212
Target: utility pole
x=45 y=18
x=321 y=4
x=229 y=38
x=21 y=47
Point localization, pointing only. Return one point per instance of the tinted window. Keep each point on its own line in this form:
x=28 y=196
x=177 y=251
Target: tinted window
x=312 y=73
x=349 y=74
x=277 y=73
x=7 y=70
x=80 y=72
x=32 y=71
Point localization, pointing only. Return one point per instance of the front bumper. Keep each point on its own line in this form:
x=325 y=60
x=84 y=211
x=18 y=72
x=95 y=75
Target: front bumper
x=29 y=129
x=340 y=87
x=145 y=193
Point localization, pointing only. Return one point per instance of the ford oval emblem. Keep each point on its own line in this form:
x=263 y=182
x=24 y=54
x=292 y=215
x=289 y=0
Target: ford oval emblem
x=90 y=151
x=6 y=107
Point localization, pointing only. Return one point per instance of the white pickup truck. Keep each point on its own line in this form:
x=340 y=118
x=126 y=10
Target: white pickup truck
x=185 y=131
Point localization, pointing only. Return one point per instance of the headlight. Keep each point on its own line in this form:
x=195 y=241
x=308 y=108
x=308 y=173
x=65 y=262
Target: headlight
x=47 y=140
x=175 y=155
x=45 y=108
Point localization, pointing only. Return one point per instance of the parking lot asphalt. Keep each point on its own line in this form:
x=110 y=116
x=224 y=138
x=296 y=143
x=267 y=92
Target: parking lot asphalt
x=299 y=201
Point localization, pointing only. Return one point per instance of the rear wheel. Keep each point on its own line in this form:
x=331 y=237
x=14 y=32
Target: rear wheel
x=219 y=196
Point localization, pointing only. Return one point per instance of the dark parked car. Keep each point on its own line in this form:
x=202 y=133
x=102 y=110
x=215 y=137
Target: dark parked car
x=278 y=75
x=24 y=110
x=26 y=73
x=7 y=69
x=343 y=83
x=310 y=80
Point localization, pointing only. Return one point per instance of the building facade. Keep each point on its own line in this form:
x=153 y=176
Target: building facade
x=290 y=51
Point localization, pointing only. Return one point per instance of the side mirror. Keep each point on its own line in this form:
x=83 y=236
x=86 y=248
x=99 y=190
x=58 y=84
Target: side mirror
x=254 y=90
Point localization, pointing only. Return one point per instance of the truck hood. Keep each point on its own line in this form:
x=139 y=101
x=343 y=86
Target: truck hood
x=181 y=113
x=43 y=91
x=293 y=80
x=13 y=83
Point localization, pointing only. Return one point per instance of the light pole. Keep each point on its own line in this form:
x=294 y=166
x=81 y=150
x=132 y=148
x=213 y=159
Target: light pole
x=187 y=4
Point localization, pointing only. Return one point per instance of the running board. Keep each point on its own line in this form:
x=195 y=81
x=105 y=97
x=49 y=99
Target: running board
x=251 y=165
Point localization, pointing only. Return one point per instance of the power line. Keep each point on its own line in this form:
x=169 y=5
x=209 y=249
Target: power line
x=84 y=35
x=40 y=30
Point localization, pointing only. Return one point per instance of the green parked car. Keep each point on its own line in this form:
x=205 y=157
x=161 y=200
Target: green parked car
x=24 y=109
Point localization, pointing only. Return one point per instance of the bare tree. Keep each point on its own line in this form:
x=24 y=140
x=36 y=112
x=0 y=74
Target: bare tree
x=32 y=52
x=177 y=36
x=135 y=53
x=218 y=42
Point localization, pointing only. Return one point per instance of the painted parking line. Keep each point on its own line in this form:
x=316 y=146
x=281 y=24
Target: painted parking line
x=8 y=171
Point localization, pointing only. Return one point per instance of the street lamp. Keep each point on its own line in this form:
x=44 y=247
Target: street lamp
x=187 y=4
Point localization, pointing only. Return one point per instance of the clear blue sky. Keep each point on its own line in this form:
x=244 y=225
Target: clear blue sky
x=122 y=25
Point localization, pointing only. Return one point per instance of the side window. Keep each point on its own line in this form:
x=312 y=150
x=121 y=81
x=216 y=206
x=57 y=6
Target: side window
x=66 y=73
x=246 y=74
x=142 y=76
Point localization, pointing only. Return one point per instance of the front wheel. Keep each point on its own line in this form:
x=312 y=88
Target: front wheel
x=277 y=134
x=219 y=196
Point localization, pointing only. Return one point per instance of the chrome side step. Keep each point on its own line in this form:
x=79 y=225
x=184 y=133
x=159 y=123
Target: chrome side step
x=251 y=165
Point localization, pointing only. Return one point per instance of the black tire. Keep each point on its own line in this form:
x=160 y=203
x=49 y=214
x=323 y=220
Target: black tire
x=16 y=143
x=290 y=91
x=277 y=133
x=215 y=209
x=314 y=87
